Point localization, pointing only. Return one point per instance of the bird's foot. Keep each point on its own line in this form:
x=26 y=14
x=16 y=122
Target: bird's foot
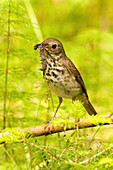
x=48 y=126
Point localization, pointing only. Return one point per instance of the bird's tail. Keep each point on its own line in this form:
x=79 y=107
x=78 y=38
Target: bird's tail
x=86 y=103
x=89 y=108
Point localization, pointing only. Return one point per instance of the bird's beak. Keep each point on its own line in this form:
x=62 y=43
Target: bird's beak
x=46 y=48
x=37 y=46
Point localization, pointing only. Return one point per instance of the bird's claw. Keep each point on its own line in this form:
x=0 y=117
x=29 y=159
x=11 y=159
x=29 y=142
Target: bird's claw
x=49 y=127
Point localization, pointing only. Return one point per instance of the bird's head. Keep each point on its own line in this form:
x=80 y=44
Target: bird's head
x=52 y=47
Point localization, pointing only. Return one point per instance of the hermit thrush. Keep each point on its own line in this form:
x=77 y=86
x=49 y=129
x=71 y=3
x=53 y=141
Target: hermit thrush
x=61 y=75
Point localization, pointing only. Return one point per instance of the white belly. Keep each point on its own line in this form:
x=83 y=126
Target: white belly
x=64 y=91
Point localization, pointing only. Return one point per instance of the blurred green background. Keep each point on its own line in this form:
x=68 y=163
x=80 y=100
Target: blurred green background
x=85 y=28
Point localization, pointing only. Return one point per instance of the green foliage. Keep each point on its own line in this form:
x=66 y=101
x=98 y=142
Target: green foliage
x=22 y=69
x=12 y=135
x=98 y=119
x=77 y=112
x=85 y=28
x=106 y=162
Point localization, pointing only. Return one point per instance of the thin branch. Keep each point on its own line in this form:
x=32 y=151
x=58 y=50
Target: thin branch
x=46 y=151
x=98 y=154
x=57 y=158
x=41 y=130
x=77 y=143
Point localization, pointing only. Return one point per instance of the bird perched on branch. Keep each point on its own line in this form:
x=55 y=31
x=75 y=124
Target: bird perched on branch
x=61 y=75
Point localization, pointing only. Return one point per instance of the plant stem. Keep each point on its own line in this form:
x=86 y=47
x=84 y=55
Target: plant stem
x=77 y=143
x=6 y=73
x=33 y=19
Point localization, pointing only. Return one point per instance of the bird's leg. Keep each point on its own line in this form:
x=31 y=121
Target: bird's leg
x=60 y=101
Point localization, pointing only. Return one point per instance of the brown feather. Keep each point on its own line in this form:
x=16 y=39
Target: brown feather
x=71 y=67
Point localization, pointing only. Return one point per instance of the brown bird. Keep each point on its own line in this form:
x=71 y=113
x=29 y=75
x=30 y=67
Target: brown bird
x=61 y=75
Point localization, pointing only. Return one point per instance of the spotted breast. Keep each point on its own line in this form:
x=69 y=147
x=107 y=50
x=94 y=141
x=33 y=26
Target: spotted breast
x=58 y=79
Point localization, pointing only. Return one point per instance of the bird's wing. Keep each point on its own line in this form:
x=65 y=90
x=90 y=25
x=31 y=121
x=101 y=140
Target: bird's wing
x=71 y=67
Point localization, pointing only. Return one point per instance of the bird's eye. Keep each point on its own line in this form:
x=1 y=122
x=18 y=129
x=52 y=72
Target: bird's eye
x=54 y=46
